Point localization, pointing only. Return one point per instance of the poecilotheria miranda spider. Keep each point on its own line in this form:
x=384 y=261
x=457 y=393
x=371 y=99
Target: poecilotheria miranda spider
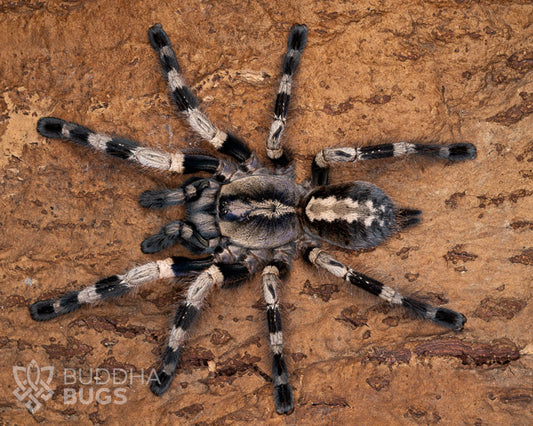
x=247 y=218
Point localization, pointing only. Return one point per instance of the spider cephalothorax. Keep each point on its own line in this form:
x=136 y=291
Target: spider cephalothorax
x=247 y=218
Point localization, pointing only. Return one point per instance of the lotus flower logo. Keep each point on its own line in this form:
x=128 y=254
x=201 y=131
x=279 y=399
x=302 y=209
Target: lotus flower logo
x=33 y=384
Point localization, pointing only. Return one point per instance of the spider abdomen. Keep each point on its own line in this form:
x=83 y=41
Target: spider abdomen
x=259 y=211
x=353 y=215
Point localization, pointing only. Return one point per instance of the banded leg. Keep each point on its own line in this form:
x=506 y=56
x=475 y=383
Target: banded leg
x=282 y=389
x=107 y=288
x=161 y=198
x=115 y=146
x=217 y=274
x=442 y=316
x=187 y=103
x=328 y=156
x=180 y=232
x=187 y=267
x=295 y=47
x=189 y=191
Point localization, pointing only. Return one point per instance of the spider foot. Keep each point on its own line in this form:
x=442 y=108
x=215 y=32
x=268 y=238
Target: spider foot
x=283 y=399
x=158 y=37
x=160 y=386
x=297 y=37
x=282 y=388
x=45 y=310
x=461 y=152
x=449 y=318
x=50 y=127
x=166 y=372
x=441 y=316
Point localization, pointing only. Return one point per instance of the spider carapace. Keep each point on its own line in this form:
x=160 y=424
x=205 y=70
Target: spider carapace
x=247 y=218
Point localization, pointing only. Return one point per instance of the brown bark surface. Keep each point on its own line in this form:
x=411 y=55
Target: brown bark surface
x=373 y=71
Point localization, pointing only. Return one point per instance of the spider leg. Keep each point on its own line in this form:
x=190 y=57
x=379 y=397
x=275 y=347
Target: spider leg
x=127 y=149
x=328 y=156
x=160 y=198
x=187 y=267
x=282 y=389
x=220 y=274
x=184 y=233
x=295 y=47
x=442 y=316
x=111 y=287
x=187 y=102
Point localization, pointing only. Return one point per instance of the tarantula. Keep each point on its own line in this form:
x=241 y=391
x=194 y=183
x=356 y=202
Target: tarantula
x=248 y=218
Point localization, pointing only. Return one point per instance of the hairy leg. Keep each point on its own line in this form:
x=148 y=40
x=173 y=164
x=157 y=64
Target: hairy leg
x=442 y=316
x=107 y=288
x=184 y=233
x=328 y=156
x=189 y=191
x=282 y=389
x=127 y=149
x=295 y=46
x=187 y=102
x=217 y=274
